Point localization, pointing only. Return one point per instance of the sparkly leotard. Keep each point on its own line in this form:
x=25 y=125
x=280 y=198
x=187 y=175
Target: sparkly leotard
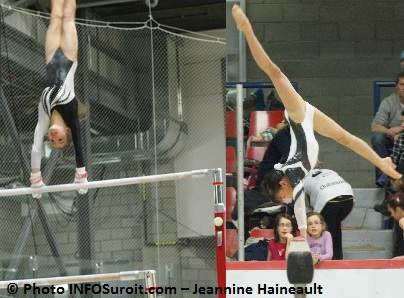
x=58 y=95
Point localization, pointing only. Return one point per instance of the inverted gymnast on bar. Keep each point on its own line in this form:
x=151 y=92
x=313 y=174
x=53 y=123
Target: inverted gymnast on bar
x=284 y=182
x=59 y=111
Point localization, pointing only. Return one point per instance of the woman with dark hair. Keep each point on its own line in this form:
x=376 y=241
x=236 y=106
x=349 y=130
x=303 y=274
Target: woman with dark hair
x=58 y=115
x=304 y=119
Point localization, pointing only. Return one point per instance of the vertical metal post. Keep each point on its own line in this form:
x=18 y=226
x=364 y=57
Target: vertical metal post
x=85 y=234
x=240 y=171
x=242 y=50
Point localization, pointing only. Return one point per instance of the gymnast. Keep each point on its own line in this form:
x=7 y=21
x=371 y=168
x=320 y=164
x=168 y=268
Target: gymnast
x=284 y=181
x=58 y=108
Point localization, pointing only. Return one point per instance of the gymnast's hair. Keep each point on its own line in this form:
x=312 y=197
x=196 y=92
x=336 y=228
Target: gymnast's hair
x=270 y=182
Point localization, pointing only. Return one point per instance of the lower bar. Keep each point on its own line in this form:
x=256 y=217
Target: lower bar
x=126 y=275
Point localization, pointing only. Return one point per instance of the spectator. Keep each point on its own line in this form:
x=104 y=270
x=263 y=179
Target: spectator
x=395 y=206
x=386 y=125
x=284 y=230
x=318 y=238
x=402 y=60
x=390 y=192
x=331 y=196
x=397 y=157
x=277 y=150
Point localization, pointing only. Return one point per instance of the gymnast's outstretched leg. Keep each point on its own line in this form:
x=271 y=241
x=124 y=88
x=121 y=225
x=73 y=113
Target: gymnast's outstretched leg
x=62 y=31
x=69 y=42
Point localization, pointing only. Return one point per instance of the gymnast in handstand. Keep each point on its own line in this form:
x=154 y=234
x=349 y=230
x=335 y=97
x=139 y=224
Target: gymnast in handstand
x=58 y=108
x=284 y=182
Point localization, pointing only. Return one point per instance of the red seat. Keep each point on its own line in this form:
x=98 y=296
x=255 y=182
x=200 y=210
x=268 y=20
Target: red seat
x=231 y=160
x=230 y=202
x=231 y=242
x=261 y=120
x=256 y=152
x=231 y=127
x=266 y=233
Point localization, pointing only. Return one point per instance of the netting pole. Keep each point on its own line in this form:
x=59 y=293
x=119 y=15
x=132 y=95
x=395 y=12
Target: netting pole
x=220 y=229
x=85 y=231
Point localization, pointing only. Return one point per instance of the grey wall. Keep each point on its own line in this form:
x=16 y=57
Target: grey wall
x=335 y=50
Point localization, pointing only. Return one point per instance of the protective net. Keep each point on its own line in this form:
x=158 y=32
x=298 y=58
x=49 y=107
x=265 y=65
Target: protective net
x=155 y=104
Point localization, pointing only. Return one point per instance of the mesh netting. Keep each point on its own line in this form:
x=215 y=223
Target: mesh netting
x=155 y=98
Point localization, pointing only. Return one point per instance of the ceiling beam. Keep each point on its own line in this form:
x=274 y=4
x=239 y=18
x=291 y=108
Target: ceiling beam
x=24 y=3
x=103 y=3
x=212 y=11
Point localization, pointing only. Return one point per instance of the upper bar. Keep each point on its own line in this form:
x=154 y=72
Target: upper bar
x=105 y=183
x=256 y=84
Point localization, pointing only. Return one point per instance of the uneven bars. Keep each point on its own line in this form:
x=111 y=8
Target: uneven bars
x=106 y=183
x=47 y=281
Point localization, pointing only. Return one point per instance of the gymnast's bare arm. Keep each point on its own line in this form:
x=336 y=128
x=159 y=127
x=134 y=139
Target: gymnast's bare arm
x=325 y=126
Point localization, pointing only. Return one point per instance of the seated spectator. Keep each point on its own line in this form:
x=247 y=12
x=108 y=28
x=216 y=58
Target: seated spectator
x=397 y=156
x=318 y=238
x=386 y=125
x=277 y=150
x=284 y=229
x=395 y=206
x=391 y=190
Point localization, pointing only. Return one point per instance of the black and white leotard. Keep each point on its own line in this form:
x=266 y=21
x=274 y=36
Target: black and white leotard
x=302 y=158
x=58 y=95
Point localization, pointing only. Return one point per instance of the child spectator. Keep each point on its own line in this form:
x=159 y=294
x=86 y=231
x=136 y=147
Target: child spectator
x=284 y=229
x=318 y=238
